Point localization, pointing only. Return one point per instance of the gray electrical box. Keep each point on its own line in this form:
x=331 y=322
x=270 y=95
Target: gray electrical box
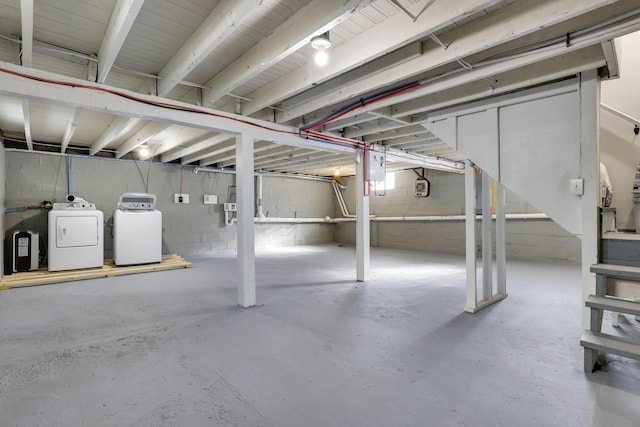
x=421 y=188
x=376 y=166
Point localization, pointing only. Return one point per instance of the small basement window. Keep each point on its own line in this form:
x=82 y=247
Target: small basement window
x=389 y=183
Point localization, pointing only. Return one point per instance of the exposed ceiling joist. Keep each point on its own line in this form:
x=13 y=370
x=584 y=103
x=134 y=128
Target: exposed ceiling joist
x=69 y=130
x=150 y=130
x=26 y=20
x=229 y=160
x=227 y=16
x=350 y=121
x=116 y=126
x=384 y=38
x=26 y=57
x=315 y=18
x=26 y=116
x=413 y=130
x=195 y=151
x=225 y=146
x=518 y=78
x=513 y=21
x=122 y=18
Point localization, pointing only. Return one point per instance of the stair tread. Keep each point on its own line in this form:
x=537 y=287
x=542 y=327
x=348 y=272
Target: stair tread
x=613 y=304
x=621 y=271
x=610 y=344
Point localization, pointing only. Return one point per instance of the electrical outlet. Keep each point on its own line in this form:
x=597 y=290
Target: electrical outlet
x=181 y=198
x=210 y=199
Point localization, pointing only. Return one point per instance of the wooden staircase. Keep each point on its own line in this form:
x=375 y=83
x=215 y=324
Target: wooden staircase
x=594 y=340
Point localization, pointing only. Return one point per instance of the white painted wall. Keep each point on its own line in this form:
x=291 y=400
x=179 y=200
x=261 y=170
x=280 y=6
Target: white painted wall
x=3 y=169
x=193 y=229
x=524 y=238
x=619 y=147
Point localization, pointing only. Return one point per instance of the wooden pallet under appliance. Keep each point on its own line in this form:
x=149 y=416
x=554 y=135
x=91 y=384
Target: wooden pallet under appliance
x=109 y=269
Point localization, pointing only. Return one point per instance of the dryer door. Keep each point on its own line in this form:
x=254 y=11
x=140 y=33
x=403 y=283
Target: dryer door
x=76 y=231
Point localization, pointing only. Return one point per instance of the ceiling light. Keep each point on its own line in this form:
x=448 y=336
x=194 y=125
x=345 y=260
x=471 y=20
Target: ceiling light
x=321 y=58
x=144 y=150
x=336 y=173
x=321 y=42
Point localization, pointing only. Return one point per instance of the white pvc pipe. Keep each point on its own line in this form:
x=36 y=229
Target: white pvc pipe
x=535 y=216
x=259 y=196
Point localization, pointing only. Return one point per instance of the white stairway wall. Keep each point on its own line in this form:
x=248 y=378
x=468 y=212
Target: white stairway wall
x=530 y=142
x=619 y=146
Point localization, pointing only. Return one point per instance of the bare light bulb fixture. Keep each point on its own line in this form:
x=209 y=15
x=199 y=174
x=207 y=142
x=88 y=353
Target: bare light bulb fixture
x=144 y=150
x=321 y=43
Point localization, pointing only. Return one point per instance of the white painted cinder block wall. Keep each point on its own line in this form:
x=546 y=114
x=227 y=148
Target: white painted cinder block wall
x=526 y=239
x=619 y=147
x=193 y=229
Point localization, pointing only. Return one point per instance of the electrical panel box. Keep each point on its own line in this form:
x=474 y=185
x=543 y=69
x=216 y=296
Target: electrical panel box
x=421 y=188
x=376 y=166
x=210 y=199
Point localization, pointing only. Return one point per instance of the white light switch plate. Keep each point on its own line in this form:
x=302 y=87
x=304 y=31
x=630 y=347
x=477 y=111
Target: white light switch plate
x=576 y=186
x=185 y=198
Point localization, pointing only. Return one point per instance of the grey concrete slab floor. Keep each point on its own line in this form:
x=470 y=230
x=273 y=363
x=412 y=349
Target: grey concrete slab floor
x=173 y=348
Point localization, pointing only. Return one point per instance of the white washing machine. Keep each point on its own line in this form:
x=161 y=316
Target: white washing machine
x=76 y=235
x=137 y=230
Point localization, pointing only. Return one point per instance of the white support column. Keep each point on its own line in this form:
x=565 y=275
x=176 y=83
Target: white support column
x=590 y=170
x=501 y=253
x=470 y=235
x=246 y=232
x=487 y=240
x=362 y=220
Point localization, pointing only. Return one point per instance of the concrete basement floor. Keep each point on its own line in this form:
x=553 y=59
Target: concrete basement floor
x=173 y=349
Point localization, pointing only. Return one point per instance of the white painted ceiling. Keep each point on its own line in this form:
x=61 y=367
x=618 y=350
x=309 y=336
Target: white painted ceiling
x=252 y=57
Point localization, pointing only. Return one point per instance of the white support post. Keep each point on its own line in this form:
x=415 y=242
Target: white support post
x=590 y=170
x=501 y=253
x=246 y=232
x=487 y=241
x=362 y=220
x=470 y=235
